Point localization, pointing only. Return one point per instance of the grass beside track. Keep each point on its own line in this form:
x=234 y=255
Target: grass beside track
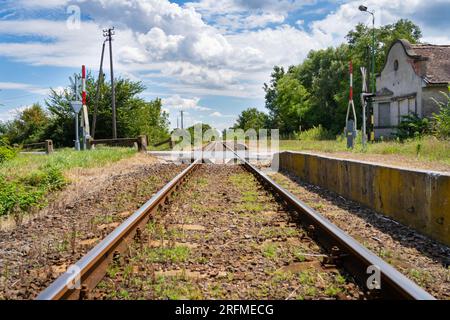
x=424 y=149
x=26 y=179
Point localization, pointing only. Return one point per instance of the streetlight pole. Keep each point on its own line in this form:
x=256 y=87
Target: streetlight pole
x=372 y=75
x=373 y=52
x=365 y=9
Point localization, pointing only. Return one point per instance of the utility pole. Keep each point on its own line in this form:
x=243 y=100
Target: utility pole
x=97 y=96
x=182 y=121
x=108 y=33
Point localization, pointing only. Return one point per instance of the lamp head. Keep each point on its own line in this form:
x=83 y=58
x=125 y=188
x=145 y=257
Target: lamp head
x=362 y=8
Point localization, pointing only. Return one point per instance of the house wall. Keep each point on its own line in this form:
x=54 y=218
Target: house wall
x=429 y=105
x=401 y=82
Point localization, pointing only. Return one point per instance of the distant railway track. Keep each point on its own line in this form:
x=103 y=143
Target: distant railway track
x=342 y=250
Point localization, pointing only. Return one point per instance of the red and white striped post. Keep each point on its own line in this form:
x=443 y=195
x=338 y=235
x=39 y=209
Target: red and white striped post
x=83 y=84
x=85 y=117
x=350 y=129
x=351 y=81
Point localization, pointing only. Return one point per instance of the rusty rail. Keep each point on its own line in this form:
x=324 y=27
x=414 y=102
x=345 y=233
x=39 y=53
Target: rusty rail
x=89 y=271
x=346 y=251
x=92 y=267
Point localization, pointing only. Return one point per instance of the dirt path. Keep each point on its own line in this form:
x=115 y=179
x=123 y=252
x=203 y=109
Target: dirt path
x=224 y=237
x=34 y=253
x=421 y=259
x=388 y=159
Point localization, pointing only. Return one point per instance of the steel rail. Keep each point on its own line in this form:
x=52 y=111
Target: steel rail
x=347 y=252
x=91 y=268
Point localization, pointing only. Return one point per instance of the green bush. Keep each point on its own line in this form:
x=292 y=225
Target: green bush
x=442 y=120
x=412 y=126
x=28 y=191
x=49 y=177
x=14 y=196
x=315 y=134
x=6 y=151
x=28 y=178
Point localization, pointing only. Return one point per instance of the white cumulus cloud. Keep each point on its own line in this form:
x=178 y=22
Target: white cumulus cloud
x=176 y=102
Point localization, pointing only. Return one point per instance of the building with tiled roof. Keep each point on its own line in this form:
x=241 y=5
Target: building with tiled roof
x=413 y=77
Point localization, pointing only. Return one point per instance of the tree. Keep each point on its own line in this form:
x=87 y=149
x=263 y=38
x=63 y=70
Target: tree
x=252 y=118
x=29 y=125
x=135 y=116
x=293 y=104
x=316 y=91
x=271 y=91
x=61 y=127
x=325 y=76
x=312 y=93
x=360 y=39
x=148 y=118
x=3 y=128
x=191 y=130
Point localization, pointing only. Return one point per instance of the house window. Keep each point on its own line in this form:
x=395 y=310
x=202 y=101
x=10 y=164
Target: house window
x=412 y=105
x=384 y=114
x=403 y=109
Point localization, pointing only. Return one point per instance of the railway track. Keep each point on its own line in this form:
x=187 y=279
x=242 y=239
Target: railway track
x=338 y=251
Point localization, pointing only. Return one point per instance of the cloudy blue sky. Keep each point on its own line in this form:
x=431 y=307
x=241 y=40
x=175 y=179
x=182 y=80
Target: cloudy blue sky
x=208 y=57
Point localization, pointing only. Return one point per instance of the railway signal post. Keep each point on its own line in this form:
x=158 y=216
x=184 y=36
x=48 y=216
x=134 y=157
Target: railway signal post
x=351 y=124
x=85 y=116
x=76 y=105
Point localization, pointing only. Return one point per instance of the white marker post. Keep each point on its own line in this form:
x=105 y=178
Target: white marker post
x=84 y=115
x=76 y=105
x=351 y=125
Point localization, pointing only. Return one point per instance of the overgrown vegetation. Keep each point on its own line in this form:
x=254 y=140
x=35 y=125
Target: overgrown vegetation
x=315 y=134
x=427 y=148
x=442 y=119
x=21 y=194
x=6 y=151
x=412 y=126
x=26 y=179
